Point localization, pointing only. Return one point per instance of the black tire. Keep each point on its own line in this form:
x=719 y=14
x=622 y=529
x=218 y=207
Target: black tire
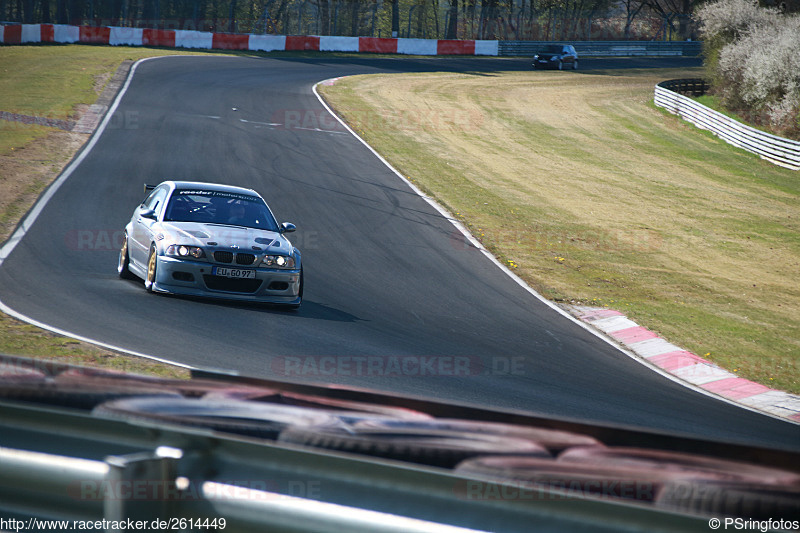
x=430 y=447
x=48 y=392
x=21 y=373
x=152 y=266
x=124 y=260
x=254 y=419
x=576 y=480
x=554 y=441
x=689 y=466
x=91 y=377
x=318 y=402
x=753 y=502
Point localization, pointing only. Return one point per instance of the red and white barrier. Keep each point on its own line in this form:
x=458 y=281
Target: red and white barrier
x=58 y=33
x=338 y=44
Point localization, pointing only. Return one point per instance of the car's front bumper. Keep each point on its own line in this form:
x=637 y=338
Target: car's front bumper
x=545 y=63
x=195 y=278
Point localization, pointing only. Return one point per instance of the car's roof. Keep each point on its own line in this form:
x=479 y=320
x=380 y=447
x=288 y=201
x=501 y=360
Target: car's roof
x=205 y=186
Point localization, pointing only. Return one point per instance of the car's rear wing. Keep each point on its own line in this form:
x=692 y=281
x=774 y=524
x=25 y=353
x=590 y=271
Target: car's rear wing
x=148 y=187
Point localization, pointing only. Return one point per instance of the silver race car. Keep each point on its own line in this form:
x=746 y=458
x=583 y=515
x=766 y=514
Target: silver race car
x=205 y=239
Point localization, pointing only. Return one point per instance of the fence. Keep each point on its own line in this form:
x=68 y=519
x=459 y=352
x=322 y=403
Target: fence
x=777 y=150
x=115 y=36
x=608 y=48
x=42 y=33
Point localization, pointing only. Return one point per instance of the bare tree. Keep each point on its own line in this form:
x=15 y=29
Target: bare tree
x=632 y=9
x=452 y=22
x=674 y=9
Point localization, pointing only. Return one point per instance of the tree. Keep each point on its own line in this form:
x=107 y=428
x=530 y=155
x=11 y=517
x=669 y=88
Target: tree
x=752 y=58
x=632 y=9
x=672 y=9
x=452 y=21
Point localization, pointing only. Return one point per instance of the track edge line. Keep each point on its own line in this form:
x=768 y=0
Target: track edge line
x=475 y=242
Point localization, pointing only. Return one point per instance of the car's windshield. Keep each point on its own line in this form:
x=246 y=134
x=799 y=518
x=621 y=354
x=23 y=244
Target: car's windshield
x=220 y=207
x=552 y=49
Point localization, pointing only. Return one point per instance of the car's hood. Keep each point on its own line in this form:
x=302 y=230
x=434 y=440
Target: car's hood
x=225 y=236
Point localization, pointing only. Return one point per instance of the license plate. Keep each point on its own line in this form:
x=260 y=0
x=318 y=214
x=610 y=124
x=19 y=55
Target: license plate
x=236 y=273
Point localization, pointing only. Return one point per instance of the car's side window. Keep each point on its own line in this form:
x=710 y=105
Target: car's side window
x=156 y=199
x=149 y=197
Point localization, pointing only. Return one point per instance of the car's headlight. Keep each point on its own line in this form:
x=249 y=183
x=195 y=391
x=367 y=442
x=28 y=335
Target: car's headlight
x=278 y=261
x=180 y=250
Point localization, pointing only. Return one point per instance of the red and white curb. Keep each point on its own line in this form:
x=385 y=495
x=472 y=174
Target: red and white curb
x=115 y=36
x=687 y=366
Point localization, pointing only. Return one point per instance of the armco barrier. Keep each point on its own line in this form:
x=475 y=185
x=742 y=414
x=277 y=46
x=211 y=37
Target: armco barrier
x=158 y=38
x=777 y=150
x=607 y=48
x=228 y=41
x=57 y=33
x=377 y=45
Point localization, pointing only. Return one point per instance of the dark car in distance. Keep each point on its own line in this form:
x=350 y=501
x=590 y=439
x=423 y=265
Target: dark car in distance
x=557 y=56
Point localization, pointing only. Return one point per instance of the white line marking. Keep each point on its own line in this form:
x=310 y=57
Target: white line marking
x=31 y=217
x=28 y=221
x=322 y=131
x=475 y=242
x=275 y=124
x=7 y=310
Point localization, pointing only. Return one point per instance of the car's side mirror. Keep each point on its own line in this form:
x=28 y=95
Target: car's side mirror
x=148 y=213
x=287 y=227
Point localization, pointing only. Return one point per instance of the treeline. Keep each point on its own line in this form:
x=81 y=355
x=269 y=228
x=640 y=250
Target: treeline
x=433 y=19
x=752 y=61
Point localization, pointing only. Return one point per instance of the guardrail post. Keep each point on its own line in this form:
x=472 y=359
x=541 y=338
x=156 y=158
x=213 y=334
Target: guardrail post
x=141 y=486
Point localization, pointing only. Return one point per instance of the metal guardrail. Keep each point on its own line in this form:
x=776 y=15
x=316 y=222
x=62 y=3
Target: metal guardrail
x=607 y=48
x=691 y=86
x=59 y=463
x=64 y=465
x=670 y=95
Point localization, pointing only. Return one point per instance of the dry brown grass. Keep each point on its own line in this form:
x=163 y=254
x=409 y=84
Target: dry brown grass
x=26 y=172
x=598 y=196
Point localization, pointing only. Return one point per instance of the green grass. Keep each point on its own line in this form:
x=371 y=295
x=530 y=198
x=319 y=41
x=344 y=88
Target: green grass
x=54 y=82
x=698 y=241
x=57 y=82
x=594 y=196
x=19 y=338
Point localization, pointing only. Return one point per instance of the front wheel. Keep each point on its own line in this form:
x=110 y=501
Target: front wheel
x=152 y=264
x=124 y=261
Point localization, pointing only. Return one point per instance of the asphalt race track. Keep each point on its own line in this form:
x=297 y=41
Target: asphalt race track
x=388 y=279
